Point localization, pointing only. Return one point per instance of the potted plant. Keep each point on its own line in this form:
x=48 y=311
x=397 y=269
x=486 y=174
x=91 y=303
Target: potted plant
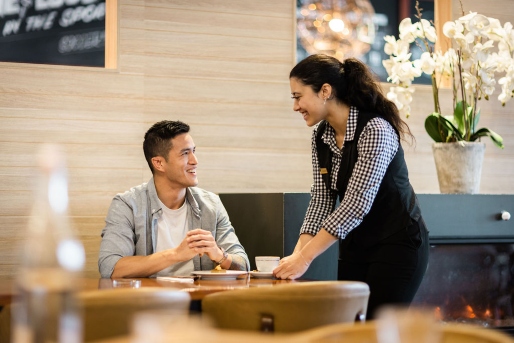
x=481 y=57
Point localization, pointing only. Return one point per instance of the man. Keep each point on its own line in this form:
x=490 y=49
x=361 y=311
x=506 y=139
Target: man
x=167 y=226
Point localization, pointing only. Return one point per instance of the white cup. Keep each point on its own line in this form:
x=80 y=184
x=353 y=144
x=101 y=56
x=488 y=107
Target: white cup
x=266 y=264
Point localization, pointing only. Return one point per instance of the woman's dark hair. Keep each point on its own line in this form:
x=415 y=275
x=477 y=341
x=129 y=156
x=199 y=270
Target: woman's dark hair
x=354 y=84
x=158 y=139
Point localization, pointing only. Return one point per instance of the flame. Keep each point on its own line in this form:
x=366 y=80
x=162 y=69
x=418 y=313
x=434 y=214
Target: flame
x=469 y=312
x=438 y=315
x=488 y=314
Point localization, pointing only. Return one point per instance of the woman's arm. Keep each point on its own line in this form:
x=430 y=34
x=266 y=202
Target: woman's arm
x=294 y=266
x=302 y=241
x=377 y=146
x=322 y=202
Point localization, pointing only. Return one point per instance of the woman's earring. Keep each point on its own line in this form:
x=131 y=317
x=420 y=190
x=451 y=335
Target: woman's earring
x=325 y=102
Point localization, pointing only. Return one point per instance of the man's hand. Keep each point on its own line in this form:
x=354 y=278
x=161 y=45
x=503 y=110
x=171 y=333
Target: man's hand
x=183 y=252
x=202 y=242
x=291 y=267
x=196 y=242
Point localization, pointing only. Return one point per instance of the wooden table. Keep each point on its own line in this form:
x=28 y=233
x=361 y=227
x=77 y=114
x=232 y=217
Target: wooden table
x=199 y=289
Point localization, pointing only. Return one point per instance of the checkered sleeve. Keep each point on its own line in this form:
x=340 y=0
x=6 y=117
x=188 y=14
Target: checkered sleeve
x=322 y=202
x=377 y=146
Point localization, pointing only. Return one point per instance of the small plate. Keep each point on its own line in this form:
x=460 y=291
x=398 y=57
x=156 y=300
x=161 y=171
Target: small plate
x=229 y=274
x=262 y=275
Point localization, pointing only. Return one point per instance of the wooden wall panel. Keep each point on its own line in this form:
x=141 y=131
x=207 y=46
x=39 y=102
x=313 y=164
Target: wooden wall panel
x=210 y=68
x=220 y=65
x=95 y=114
x=192 y=20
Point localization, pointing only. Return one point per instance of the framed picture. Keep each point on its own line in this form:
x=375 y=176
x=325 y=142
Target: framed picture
x=62 y=32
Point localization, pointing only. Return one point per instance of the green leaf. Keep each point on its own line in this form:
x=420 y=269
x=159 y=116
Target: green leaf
x=483 y=132
x=477 y=118
x=432 y=127
x=458 y=114
x=448 y=125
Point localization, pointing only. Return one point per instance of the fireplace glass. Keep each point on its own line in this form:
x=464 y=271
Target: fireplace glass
x=470 y=283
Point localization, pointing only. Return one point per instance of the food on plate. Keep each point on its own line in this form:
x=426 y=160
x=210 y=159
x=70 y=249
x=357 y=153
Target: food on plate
x=218 y=269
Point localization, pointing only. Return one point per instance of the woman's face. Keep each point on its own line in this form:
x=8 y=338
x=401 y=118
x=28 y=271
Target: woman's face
x=309 y=104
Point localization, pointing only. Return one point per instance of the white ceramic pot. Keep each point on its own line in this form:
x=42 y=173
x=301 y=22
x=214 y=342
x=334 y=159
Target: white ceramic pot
x=459 y=166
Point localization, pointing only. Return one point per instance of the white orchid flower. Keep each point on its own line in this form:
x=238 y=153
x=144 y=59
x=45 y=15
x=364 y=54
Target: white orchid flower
x=452 y=28
x=478 y=25
x=404 y=72
x=444 y=63
x=427 y=63
x=407 y=30
x=487 y=80
x=463 y=40
x=507 y=83
x=396 y=47
x=388 y=65
x=503 y=98
x=495 y=23
x=496 y=32
x=470 y=82
x=401 y=97
x=465 y=19
x=502 y=61
x=505 y=47
x=389 y=46
x=505 y=38
x=426 y=30
x=482 y=50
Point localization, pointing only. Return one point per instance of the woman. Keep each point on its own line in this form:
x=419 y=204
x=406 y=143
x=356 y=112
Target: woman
x=356 y=155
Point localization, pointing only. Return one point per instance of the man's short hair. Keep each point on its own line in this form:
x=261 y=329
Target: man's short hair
x=158 y=139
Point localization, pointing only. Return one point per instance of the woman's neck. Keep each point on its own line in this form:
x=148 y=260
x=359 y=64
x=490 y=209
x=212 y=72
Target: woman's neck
x=337 y=117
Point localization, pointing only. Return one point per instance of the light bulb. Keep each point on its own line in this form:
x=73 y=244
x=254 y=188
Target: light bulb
x=336 y=25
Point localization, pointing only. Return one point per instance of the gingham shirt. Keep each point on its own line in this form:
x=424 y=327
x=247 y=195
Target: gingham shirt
x=377 y=145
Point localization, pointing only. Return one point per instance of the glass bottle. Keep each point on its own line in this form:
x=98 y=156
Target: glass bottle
x=51 y=262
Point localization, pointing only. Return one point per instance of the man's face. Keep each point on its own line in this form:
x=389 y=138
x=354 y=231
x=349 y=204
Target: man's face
x=180 y=169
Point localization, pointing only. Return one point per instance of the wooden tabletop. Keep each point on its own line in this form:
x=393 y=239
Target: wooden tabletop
x=198 y=289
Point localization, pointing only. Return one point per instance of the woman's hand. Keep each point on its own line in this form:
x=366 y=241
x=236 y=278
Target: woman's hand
x=307 y=249
x=291 y=267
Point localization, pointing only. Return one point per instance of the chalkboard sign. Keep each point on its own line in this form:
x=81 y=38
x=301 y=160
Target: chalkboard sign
x=65 y=32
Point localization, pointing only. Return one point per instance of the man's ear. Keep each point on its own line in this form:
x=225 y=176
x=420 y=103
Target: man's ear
x=157 y=163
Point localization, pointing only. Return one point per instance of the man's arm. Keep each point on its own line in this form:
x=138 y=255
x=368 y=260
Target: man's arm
x=144 y=266
x=117 y=256
x=118 y=236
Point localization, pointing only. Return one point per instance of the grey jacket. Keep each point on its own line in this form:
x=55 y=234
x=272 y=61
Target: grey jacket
x=131 y=226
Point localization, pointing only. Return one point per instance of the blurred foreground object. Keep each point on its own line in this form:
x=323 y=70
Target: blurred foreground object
x=51 y=261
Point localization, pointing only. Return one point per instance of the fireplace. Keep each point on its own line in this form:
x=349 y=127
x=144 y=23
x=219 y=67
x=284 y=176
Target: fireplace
x=471 y=283
x=470 y=277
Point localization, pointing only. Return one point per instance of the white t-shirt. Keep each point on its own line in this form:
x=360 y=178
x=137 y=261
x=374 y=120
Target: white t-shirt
x=172 y=227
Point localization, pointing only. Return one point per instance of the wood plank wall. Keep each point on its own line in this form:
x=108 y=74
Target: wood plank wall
x=219 y=65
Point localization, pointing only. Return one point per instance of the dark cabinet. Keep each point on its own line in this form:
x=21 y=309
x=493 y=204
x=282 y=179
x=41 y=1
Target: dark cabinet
x=268 y=224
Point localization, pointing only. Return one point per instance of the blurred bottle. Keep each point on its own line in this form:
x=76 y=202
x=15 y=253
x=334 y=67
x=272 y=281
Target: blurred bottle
x=51 y=263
